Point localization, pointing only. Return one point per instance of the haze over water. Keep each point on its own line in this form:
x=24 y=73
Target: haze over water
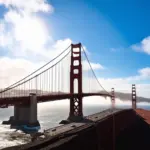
x=51 y=113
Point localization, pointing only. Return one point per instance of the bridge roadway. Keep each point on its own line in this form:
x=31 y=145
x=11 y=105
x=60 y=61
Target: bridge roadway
x=10 y=101
x=73 y=126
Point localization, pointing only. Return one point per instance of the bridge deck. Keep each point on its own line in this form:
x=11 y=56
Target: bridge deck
x=93 y=118
x=9 y=101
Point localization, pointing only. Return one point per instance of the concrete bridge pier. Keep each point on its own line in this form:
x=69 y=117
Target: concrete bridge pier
x=25 y=114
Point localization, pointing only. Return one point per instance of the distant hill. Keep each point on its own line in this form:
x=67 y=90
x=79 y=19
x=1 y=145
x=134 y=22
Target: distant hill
x=127 y=96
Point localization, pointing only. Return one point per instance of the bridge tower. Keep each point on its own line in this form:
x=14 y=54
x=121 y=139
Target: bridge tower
x=113 y=97
x=76 y=113
x=133 y=96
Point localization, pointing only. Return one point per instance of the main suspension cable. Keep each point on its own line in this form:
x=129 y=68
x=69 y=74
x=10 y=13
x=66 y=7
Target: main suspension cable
x=35 y=70
x=16 y=84
x=93 y=70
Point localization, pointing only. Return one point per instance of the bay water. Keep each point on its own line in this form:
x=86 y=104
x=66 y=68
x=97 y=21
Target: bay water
x=51 y=113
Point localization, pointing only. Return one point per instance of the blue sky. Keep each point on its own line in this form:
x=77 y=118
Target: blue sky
x=115 y=32
x=103 y=25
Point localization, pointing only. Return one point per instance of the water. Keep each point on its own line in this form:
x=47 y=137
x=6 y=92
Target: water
x=50 y=114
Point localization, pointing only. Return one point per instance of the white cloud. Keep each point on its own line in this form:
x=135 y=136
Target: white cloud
x=145 y=72
x=27 y=40
x=14 y=69
x=125 y=84
x=95 y=66
x=23 y=32
x=28 y=5
x=143 y=46
x=122 y=85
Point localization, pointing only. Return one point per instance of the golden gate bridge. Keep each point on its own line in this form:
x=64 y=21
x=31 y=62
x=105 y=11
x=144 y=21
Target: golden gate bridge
x=70 y=75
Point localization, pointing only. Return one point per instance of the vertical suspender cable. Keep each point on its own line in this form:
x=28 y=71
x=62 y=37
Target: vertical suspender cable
x=52 y=80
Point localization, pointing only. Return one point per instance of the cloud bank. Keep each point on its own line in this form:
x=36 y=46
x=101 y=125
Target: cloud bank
x=26 y=41
x=143 y=46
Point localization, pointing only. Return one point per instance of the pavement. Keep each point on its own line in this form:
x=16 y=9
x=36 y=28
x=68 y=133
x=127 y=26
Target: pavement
x=63 y=128
x=74 y=125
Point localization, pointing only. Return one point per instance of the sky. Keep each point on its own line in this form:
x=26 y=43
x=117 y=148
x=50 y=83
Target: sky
x=115 y=33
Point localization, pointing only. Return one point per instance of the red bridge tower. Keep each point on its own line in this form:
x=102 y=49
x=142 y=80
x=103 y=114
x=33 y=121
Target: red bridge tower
x=133 y=96
x=113 y=97
x=76 y=113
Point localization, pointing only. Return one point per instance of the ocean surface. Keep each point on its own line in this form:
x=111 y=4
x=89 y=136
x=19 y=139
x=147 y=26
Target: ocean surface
x=51 y=113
